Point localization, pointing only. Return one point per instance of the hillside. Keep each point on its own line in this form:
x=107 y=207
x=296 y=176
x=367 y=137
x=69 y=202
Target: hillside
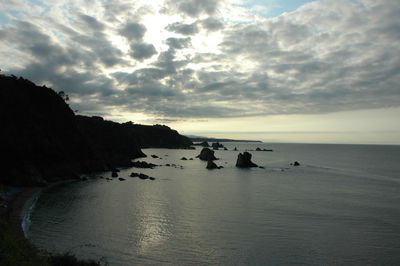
x=42 y=140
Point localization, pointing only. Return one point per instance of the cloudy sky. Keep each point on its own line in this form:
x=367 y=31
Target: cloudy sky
x=294 y=71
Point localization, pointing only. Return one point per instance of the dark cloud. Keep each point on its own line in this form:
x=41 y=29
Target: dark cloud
x=133 y=31
x=91 y=22
x=184 y=29
x=194 y=8
x=141 y=51
x=211 y=24
x=100 y=47
x=178 y=43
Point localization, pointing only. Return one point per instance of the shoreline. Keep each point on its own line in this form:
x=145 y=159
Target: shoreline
x=21 y=204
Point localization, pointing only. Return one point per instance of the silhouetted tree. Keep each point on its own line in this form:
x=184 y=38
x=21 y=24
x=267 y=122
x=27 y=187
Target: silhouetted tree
x=63 y=95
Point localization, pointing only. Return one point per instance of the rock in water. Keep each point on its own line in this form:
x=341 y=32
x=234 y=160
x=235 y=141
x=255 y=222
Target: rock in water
x=121 y=179
x=244 y=160
x=143 y=176
x=205 y=144
x=206 y=155
x=211 y=165
x=296 y=163
x=114 y=174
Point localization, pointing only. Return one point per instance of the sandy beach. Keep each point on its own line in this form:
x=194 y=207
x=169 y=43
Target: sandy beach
x=18 y=206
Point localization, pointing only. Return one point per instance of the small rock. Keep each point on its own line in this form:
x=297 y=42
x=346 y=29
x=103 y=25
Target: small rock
x=114 y=174
x=154 y=156
x=296 y=163
x=121 y=179
x=143 y=176
x=152 y=178
x=183 y=158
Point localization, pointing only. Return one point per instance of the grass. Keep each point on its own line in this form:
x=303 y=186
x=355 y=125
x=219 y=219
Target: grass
x=16 y=250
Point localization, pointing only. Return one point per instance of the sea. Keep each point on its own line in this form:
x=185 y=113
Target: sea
x=340 y=206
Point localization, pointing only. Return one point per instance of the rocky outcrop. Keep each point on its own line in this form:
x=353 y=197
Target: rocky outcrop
x=206 y=155
x=244 y=160
x=44 y=141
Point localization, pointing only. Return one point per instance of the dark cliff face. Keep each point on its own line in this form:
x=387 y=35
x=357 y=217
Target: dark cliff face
x=42 y=140
x=39 y=138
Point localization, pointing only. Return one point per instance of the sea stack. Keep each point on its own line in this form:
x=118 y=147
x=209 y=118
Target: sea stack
x=206 y=155
x=244 y=160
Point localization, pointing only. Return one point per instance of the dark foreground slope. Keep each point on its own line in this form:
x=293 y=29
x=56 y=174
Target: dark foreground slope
x=42 y=140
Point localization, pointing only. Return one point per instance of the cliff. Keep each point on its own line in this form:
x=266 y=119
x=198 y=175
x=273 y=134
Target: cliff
x=42 y=140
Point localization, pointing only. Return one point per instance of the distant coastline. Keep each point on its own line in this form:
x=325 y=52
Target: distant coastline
x=202 y=139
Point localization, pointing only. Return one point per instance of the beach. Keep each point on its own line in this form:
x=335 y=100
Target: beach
x=18 y=203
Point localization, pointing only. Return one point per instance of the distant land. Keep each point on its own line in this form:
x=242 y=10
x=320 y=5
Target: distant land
x=201 y=139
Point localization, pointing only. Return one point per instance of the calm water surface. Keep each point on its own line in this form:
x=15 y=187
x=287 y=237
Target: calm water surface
x=340 y=207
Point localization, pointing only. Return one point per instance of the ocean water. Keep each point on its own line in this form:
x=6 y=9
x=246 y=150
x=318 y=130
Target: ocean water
x=341 y=206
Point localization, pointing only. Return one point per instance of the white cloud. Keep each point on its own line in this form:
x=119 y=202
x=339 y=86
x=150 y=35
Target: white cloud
x=208 y=59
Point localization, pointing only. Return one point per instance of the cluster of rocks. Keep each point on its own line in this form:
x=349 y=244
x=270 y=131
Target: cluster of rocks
x=141 y=176
x=259 y=149
x=143 y=164
x=206 y=154
x=174 y=165
x=203 y=144
x=217 y=145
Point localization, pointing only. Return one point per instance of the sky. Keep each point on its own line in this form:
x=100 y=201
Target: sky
x=323 y=71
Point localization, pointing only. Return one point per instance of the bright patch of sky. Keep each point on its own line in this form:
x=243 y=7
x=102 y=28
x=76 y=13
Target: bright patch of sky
x=274 y=8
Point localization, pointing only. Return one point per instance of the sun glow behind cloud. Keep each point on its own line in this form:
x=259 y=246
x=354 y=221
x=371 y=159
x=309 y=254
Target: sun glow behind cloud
x=235 y=64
